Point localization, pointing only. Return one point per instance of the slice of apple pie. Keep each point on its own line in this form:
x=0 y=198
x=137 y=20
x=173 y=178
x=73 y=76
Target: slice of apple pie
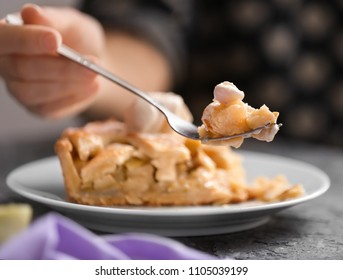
x=105 y=164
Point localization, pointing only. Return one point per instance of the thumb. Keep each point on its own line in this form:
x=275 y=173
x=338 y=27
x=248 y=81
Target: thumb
x=33 y=14
x=78 y=30
x=60 y=19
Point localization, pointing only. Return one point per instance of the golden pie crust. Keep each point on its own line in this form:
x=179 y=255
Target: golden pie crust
x=105 y=164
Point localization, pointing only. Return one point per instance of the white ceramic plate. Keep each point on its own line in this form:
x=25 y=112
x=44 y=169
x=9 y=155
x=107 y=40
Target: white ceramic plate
x=42 y=181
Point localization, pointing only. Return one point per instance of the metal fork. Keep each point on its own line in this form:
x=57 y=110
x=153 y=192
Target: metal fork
x=178 y=124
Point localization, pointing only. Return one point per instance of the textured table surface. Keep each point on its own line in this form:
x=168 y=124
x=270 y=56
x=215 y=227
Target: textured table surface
x=313 y=230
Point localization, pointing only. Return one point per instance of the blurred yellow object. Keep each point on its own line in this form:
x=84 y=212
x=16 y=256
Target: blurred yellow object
x=14 y=217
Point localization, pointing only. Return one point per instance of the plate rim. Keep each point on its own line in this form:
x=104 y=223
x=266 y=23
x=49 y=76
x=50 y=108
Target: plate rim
x=174 y=210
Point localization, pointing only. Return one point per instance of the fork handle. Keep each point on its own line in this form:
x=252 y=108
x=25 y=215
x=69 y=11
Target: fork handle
x=78 y=58
x=73 y=55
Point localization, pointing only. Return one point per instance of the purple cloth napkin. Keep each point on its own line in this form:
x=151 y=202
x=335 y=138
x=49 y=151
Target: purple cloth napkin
x=54 y=237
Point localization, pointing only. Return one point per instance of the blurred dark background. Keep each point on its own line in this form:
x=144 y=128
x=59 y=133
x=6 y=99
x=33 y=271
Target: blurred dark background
x=287 y=54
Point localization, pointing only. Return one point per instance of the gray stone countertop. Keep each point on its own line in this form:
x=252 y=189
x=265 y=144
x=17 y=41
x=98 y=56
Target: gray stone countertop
x=313 y=230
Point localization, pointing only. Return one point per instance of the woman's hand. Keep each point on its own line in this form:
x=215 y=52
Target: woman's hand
x=45 y=83
x=52 y=86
